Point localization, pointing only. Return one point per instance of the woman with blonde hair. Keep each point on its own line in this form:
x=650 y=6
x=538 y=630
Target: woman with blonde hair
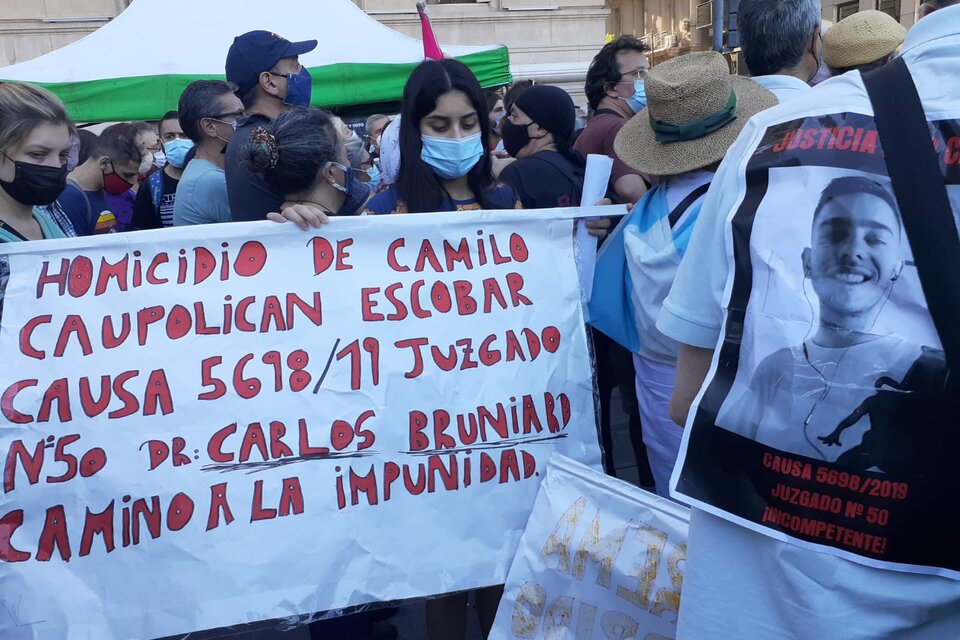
x=36 y=139
x=36 y=145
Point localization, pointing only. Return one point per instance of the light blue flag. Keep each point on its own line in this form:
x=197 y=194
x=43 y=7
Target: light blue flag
x=610 y=308
x=665 y=235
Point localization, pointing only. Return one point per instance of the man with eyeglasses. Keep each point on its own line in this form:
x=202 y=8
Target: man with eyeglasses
x=615 y=93
x=265 y=73
x=209 y=111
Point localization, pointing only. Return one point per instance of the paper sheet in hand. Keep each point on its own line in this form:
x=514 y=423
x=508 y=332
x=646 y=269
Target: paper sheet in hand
x=595 y=180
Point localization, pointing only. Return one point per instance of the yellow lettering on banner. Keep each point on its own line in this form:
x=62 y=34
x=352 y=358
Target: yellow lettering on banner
x=602 y=550
x=558 y=621
x=668 y=598
x=527 y=610
x=561 y=539
x=645 y=572
x=617 y=625
x=588 y=615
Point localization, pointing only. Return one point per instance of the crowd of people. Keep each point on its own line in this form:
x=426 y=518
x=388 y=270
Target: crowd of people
x=251 y=148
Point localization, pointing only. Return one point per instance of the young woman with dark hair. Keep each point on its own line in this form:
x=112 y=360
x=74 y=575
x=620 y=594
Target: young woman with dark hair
x=444 y=162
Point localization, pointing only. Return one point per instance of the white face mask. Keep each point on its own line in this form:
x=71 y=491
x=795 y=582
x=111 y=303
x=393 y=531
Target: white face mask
x=146 y=164
x=159 y=159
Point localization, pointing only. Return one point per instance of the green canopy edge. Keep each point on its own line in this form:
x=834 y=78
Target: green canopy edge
x=149 y=97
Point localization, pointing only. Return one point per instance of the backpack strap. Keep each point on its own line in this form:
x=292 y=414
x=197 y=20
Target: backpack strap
x=686 y=203
x=567 y=170
x=91 y=223
x=607 y=112
x=918 y=183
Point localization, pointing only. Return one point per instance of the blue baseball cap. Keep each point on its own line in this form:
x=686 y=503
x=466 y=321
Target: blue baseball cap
x=257 y=51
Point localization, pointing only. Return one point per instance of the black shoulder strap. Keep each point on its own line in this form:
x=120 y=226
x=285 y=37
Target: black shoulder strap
x=686 y=203
x=607 y=112
x=12 y=231
x=564 y=168
x=90 y=221
x=918 y=184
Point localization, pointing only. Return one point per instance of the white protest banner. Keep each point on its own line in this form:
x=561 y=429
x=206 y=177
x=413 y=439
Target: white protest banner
x=213 y=425
x=599 y=559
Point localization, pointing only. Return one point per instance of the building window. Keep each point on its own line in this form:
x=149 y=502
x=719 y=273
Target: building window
x=847 y=9
x=891 y=8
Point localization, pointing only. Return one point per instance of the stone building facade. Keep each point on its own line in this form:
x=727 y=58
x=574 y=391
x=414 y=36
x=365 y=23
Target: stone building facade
x=549 y=40
x=681 y=23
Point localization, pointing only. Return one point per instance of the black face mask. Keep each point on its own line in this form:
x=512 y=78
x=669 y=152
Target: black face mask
x=35 y=184
x=515 y=136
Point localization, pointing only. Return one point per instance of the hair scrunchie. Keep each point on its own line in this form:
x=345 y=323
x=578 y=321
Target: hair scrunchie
x=268 y=142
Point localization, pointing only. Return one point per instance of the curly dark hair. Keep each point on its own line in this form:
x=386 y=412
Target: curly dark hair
x=291 y=150
x=604 y=69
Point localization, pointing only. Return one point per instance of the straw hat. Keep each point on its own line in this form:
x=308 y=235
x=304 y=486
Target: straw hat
x=697 y=108
x=864 y=37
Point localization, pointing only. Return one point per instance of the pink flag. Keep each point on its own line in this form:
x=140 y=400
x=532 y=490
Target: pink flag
x=431 y=50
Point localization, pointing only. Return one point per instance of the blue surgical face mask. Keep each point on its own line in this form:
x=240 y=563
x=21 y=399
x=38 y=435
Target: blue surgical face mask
x=357 y=192
x=638 y=101
x=375 y=177
x=452 y=158
x=496 y=125
x=299 y=89
x=176 y=151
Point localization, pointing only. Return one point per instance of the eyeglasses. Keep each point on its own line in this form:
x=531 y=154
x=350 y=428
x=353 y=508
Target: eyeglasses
x=636 y=74
x=220 y=116
x=284 y=75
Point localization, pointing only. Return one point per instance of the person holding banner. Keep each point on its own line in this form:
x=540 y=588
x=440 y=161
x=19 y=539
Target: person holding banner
x=35 y=144
x=696 y=110
x=445 y=165
x=301 y=155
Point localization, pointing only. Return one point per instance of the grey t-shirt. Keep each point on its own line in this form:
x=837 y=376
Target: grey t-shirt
x=201 y=195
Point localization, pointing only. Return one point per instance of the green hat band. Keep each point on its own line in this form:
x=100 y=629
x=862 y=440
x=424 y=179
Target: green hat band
x=666 y=132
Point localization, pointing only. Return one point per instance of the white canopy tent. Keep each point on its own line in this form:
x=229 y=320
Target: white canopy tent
x=113 y=75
